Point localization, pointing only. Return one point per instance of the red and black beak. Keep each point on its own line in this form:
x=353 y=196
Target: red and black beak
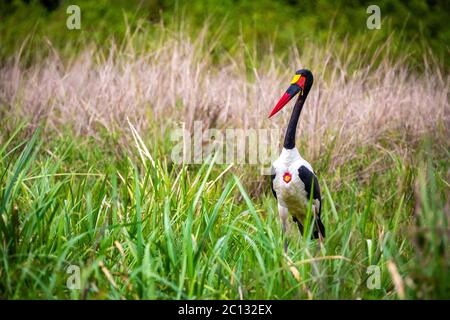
x=297 y=85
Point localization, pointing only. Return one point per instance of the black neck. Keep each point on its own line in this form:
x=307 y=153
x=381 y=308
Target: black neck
x=289 y=138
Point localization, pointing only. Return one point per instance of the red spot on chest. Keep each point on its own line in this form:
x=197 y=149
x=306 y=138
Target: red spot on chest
x=287 y=177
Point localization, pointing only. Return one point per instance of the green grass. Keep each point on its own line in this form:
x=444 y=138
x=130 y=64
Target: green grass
x=417 y=26
x=140 y=227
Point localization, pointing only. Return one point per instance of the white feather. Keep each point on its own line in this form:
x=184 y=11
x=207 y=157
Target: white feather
x=292 y=195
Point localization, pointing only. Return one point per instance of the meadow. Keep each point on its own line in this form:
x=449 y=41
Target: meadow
x=88 y=186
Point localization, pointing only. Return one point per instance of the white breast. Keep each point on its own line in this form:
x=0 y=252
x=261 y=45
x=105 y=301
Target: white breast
x=291 y=195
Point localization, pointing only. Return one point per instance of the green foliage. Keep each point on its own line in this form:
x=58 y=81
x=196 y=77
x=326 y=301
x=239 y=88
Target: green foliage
x=141 y=228
x=268 y=25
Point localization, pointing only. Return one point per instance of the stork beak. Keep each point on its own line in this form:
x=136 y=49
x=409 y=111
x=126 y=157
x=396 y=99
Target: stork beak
x=297 y=85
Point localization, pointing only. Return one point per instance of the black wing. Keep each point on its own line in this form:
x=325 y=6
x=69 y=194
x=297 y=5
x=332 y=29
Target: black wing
x=311 y=183
x=271 y=184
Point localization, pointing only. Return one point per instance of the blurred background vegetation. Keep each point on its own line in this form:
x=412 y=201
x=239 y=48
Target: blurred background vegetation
x=418 y=26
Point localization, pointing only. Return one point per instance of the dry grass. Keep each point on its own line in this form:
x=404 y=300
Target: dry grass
x=352 y=104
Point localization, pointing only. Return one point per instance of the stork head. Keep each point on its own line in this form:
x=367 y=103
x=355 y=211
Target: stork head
x=301 y=83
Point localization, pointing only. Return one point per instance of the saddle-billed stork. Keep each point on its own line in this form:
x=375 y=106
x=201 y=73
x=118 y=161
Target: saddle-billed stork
x=293 y=178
